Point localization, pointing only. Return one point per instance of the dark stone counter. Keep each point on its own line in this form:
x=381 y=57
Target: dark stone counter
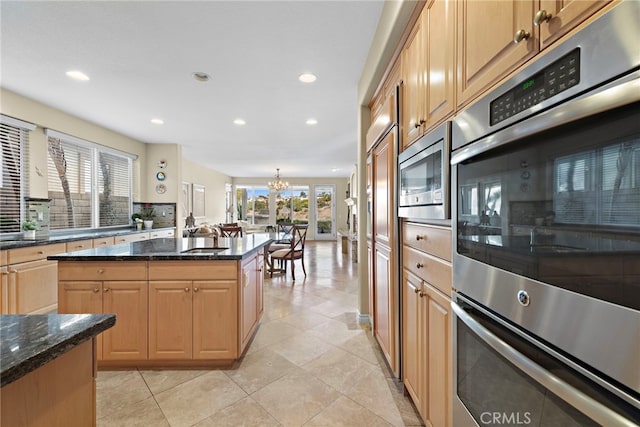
x=185 y=248
x=28 y=342
x=70 y=237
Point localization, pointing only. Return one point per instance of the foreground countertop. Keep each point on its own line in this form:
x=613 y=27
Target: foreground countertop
x=28 y=342
x=70 y=237
x=174 y=249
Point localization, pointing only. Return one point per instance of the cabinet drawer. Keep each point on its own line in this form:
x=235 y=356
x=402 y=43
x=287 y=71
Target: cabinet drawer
x=134 y=237
x=79 y=245
x=103 y=241
x=193 y=270
x=3 y=258
x=429 y=268
x=96 y=270
x=34 y=253
x=162 y=233
x=428 y=238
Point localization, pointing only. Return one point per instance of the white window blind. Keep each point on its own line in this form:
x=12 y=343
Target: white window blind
x=14 y=135
x=89 y=185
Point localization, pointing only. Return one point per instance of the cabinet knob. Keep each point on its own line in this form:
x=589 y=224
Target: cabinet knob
x=420 y=294
x=106 y=290
x=100 y=271
x=96 y=290
x=186 y=289
x=418 y=124
x=419 y=265
x=195 y=289
x=416 y=290
x=541 y=16
x=419 y=237
x=40 y=252
x=521 y=35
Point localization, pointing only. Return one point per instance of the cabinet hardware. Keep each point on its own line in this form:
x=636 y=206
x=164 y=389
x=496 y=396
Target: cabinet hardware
x=541 y=16
x=420 y=294
x=195 y=289
x=186 y=289
x=40 y=252
x=521 y=35
x=416 y=290
x=106 y=290
x=419 y=237
x=100 y=271
x=419 y=265
x=96 y=290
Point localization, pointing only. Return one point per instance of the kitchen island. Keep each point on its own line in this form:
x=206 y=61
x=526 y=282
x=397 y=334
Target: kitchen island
x=47 y=368
x=187 y=302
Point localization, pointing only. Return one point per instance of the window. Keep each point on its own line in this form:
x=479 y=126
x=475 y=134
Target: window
x=14 y=135
x=253 y=204
x=292 y=205
x=89 y=185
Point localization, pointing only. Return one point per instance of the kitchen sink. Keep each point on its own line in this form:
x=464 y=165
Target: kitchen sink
x=204 y=250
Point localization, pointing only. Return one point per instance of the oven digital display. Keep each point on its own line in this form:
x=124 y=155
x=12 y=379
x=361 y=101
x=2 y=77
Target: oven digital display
x=555 y=78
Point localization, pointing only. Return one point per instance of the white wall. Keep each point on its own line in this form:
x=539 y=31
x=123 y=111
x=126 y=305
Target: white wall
x=214 y=183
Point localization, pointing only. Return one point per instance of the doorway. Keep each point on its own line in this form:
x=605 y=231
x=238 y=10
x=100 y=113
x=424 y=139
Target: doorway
x=325 y=212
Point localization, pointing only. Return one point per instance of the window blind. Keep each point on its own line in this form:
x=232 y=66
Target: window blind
x=14 y=135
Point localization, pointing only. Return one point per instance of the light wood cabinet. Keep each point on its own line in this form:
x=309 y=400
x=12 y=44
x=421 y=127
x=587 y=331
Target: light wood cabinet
x=426 y=317
x=78 y=245
x=32 y=280
x=428 y=70
x=4 y=283
x=385 y=304
x=383 y=190
x=194 y=318
x=495 y=36
x=127 y=299
x=103 y=241
x=155 y=234
x=130 y=238
x=251 y=285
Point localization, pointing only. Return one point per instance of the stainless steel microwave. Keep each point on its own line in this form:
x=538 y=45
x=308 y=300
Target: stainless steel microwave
x=424 y=177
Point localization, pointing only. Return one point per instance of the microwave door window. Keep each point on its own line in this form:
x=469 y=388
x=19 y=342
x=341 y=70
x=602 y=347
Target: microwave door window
x=413 y=181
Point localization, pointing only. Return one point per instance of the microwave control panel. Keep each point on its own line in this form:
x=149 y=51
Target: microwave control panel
x=553 y=79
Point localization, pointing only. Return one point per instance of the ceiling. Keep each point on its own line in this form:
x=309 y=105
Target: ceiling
x=140 y=56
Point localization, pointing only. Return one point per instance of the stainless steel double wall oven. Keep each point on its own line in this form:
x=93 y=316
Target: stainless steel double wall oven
x=546 y=219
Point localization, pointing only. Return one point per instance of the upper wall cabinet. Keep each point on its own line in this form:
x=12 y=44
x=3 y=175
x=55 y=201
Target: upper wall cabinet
x=497 y=36
x=384 y=107
x=428 y=70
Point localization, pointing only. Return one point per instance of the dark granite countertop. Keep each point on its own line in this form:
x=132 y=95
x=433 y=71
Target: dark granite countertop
x=184 y=248
x=28 y=342
x=70 y=237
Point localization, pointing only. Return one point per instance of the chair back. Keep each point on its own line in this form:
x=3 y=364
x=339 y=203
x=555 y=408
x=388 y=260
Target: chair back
x=299 y=236
x=286 y=227
x=230 y=231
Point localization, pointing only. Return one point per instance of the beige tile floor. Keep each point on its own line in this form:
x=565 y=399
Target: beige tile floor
x=310 y=364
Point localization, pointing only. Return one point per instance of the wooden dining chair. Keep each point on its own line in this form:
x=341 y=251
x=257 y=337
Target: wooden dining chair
x=293 y=252
x=230 y=231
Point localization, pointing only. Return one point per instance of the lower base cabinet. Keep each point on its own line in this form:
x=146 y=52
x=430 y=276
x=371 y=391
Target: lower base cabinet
x=427 y=349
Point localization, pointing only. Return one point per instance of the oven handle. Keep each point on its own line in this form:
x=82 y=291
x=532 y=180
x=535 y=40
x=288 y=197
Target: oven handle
x=590 y=407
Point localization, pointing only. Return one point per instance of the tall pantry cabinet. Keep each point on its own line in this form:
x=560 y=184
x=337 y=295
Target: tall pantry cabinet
x=382 y=145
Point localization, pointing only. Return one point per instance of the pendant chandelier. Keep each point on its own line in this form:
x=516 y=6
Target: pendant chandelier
x=278 y=184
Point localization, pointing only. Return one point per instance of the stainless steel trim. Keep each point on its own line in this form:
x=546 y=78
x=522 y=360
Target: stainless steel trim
x=608 y=49
x=616 y=94
x=576 y=398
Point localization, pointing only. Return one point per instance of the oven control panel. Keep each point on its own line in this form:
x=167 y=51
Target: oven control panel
x=553 y=79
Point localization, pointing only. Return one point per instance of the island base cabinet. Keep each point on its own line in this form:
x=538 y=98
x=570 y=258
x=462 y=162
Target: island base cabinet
x=32 y=287
x=127 y=340
x=193 y=320
x=60 y=393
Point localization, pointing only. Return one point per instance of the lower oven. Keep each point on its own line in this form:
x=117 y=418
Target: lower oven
x=545 y=185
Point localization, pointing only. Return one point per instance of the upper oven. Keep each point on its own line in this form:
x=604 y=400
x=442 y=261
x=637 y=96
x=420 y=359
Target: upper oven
x=546 y=219
x=424 y=177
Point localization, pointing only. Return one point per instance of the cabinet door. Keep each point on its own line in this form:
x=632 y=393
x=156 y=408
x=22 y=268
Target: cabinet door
x=439 y=21
x=371 y=281
x=248 y=305
x=128 y=339
x=4 y=290
x=81 y=297
x=260 y=286
x=170 y=320
x=215 y=319
x=383 y=190
x=486 y=48
x=412 y=338
x=413 y=92
x=385 y=300
x=563 y=16
x=438 y=346
x=34 y=287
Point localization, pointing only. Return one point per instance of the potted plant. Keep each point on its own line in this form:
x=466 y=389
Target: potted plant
x=137 y=221
x=147 y=213
x=29 y=227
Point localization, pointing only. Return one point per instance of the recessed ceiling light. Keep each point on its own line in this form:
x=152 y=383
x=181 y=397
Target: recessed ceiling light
x=157 y=121
x=239 y=122
x=77 y=75
x=311 y=122
x=307 y=78
x=335 y=169
x=200 y=76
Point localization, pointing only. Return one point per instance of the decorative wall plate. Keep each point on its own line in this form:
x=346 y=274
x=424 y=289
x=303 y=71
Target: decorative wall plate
x=161 y=188
x=162 y=164
x=160 y=176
